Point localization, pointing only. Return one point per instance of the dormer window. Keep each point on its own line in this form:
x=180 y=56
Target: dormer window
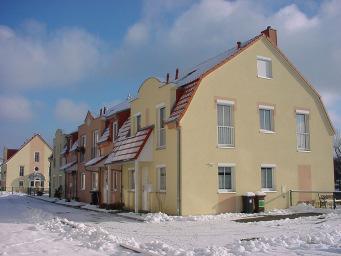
x=264 y=67
x=138 y=122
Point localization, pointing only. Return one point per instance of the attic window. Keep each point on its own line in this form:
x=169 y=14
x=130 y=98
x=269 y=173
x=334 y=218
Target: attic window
x=264 y=67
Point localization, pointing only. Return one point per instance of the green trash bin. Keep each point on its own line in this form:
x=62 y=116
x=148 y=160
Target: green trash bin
x=260 y=201
x=248 y=202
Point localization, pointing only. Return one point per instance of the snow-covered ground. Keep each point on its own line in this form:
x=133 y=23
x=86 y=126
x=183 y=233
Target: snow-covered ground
x=33 y=227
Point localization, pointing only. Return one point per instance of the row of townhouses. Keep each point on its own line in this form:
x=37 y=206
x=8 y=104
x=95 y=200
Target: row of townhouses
x=243 y=121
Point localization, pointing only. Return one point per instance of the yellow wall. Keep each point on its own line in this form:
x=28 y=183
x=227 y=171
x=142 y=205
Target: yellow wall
x=237 y=80
x=25 y=157
x=151 y=94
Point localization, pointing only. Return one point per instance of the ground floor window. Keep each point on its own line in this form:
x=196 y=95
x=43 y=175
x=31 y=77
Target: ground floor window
x=162 y=178
x=32 y=183
x=94 y=181
x=82 y=181
x=115 y=177
x=54 y=181
x=225 y=178
x=131 y=179
x=60 y=180
x=21 y=183
x=267 y=178
x=42 y=184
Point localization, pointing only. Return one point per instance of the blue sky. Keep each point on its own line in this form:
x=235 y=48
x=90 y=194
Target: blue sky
x=60 y=58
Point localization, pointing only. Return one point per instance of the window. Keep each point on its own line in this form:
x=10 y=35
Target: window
x=264 y=67
x=42 y=184
x=82 y=181
x=114 y=131
x=21 y=183
x=83 y=145
x=161 y=130
x=302 y=130
x=32 y=183
x=54 y=181
x=266 y=118
x=162 y=178
x=36 y=157
x=21 y=171
x=94 y=181
x=225 y=124
x=225 y=178
x=267 y=178
x=95 y=149
x=115 y=177
x=132 y=179
x=138 y=122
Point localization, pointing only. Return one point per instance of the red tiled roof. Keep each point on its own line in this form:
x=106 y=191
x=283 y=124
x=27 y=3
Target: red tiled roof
x=128 y=148
x=11 y=152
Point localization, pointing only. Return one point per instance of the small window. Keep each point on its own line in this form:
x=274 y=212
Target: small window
x=267 y=178
x=94 y=181
x=162 y=179
x=36 y=157
x=21 y=183
x=83 y=181
x=114 y=131
x=161 y=130
x=21 y=171
x=264 y=67
x=225 y=124
x=225 y=178
x=266 y=119
x=138 y=122
x=132 y=179
x=302 y=130
x=115 y=178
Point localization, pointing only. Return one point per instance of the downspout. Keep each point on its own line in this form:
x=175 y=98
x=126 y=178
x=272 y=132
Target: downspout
x=178 y=197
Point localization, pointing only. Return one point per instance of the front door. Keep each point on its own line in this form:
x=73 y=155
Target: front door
x=145 y=189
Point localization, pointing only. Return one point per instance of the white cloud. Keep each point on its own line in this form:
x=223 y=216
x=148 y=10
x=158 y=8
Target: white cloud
x=35 y=59
x=68 y=111
x=15 y=108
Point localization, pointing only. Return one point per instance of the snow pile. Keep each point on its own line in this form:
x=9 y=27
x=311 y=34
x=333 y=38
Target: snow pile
x=6 y=193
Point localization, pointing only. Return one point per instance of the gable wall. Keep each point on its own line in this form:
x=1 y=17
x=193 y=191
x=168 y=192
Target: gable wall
x=237 y=80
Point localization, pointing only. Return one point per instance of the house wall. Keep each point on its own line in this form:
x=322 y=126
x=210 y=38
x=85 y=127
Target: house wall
x=150 y=95
x=58 y=145
x=237 y=81
x=90 y=125
x=25 y=157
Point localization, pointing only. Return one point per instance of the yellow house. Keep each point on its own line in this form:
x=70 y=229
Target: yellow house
x=245 y=120
x=28 y=166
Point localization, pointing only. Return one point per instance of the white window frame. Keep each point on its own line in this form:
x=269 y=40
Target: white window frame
x=83 y=178
x=273 y=169
x=230 y=128
x=233 y=177
x=306 y=114
x=161 y=131
x=264 y=59
x=131 y=179
x=34 y=156
x=94 y=181
x=114 y=131
x=158 y=169
x=272 y=119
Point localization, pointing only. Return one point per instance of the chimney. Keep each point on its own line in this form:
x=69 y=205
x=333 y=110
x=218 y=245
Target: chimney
x=167 y=78
x=176 y=74
x=104 y=110
x=100 y=112
x=239 y=44
x=271 y=34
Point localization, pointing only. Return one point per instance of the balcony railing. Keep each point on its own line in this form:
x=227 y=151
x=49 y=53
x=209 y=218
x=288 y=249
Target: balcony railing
x=226 y=136
x=303 y=141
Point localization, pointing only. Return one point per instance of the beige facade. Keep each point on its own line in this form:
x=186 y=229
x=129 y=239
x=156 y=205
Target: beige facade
x=57 y=176
x=29 y=166
x=192 y=156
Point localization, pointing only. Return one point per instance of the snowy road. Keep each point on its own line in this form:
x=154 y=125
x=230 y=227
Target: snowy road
x=33 y=227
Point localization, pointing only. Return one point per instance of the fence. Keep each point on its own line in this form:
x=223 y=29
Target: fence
x=316 y=198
